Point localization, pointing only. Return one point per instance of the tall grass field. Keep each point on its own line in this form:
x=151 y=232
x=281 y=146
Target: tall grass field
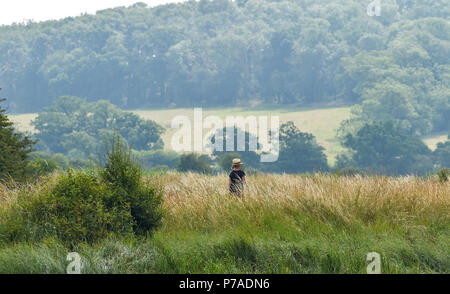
x=283 y=224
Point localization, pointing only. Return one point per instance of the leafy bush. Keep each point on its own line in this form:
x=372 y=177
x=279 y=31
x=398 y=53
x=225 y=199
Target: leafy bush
x=124 y=176
x=443 y=174
x=40 y=167
x=42 y=164
x=86 y=206
x=79 y=208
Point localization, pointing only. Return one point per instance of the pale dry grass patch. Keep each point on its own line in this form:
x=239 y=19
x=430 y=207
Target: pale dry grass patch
x=193 y=200
x=10 y=191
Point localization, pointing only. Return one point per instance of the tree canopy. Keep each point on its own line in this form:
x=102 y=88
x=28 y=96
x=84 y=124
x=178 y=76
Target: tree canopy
x=383 y=147
x=299 y=152
x=77 y=128
x=214 y=53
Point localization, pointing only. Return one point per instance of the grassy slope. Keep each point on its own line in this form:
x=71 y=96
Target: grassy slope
x=286 y=224
x=322 y=123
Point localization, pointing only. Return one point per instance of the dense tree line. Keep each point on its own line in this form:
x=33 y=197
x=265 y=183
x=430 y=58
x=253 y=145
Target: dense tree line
x=216 y=53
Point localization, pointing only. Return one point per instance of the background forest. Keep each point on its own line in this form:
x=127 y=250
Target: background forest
x=393 y=70
x=225 y=53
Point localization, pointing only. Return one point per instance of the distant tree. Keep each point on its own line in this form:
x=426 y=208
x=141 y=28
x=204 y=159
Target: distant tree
x=226 y=160
x=194 y=163
x=299 y=152
x=77 y=128
x=250 y=157
x=383 y=147
x=14 y=149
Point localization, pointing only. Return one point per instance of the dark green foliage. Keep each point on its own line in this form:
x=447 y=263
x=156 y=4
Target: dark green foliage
x=442 y=154
x=244 y=152
x=194 y=163
x=120 y=169
x=384 y=148
x=77 y=128
x=87 y=206
x=41 y=164
x=225 y=160
x=39 y=167
x=152 y=158
x=76 y=208
x=14 y=150
x=124 y=176
x=217 y=53
x=443 y=174
x=299 y=152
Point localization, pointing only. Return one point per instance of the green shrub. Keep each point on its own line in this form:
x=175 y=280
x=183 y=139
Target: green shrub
x=86 y=206
x=80 y=209
x=40 y=167
x=443 y=174
x=124 y=176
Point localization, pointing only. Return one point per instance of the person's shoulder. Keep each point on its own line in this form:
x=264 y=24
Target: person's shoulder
x=242 y=173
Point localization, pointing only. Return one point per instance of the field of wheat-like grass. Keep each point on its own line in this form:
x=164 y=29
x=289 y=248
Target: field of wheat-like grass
x=198 y=201
x=283 y=224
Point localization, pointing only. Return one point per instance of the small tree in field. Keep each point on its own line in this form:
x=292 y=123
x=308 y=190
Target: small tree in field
x=14 y=150
x=124 y=176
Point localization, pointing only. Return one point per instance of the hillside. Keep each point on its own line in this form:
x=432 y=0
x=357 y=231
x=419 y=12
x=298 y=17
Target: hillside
x=225 y=53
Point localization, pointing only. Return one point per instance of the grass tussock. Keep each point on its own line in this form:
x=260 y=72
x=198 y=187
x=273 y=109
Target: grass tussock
x=283 y=224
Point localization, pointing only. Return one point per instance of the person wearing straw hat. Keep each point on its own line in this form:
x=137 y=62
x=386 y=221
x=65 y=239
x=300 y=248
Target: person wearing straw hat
x=237 y=178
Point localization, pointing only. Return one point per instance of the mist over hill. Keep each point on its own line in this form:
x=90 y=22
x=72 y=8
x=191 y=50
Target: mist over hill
x=395 y=66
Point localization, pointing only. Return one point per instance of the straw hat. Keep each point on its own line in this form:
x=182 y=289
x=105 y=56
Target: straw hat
x=237 y=161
